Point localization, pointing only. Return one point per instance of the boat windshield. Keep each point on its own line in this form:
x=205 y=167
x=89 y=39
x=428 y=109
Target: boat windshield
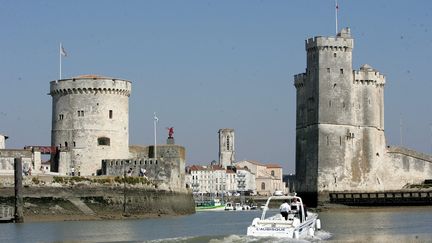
x=295 y=202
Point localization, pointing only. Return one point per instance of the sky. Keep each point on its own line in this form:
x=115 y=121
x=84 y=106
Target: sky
x=206 y=65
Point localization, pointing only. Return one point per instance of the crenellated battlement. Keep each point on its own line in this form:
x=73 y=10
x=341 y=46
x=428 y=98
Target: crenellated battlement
x=342 y=42
x=90 y=84
x=90 y=91
x=299 y=80
x=369 y=76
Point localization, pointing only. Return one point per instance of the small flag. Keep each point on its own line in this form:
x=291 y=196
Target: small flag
x=337 y=6
x=63 y=51
x=155 y=118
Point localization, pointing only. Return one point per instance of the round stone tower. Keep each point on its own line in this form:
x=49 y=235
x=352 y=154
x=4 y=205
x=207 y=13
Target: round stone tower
x=90 y=122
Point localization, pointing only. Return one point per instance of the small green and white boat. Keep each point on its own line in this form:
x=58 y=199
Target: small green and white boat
x=212 y=205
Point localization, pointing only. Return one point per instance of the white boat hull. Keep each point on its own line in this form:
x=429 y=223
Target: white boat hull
x=282 y=228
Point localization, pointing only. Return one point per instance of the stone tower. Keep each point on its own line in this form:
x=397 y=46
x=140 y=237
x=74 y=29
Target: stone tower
x=226 y=147
x=339 y=120
x=3 y=141
x=90 y=122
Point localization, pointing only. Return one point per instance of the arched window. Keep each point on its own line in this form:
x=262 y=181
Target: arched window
x=104 y=141
x=272 y=173
x=262 y=186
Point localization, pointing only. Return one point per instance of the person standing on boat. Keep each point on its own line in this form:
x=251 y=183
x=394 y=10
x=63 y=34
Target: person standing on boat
x=295 y=205
x=284 y=209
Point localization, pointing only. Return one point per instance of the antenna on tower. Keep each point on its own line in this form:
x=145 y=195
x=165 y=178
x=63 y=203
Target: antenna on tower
x=400 y=129
x=336 y=15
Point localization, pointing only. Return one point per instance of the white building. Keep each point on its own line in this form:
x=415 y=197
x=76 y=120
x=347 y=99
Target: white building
x=268 y=177
x=216 y=180
x=246 y=180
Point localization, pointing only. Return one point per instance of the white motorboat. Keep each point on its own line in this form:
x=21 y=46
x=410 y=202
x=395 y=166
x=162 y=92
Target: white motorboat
x=300 y=223
x=229 y=206
x=238 y=207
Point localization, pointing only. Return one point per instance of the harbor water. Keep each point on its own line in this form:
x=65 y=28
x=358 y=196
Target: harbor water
x=397 y=224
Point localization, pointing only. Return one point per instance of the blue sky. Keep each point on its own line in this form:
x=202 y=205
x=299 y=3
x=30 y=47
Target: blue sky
x=206 y=65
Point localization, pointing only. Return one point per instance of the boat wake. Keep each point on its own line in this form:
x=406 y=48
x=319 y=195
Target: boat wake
x=319 y=236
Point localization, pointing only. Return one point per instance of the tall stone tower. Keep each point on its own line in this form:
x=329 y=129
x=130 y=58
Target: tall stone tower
x=226 y=147
x=339 y=120
x=3 y=141
x=90 y=122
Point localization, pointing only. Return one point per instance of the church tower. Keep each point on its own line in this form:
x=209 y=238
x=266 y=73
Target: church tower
x=339 y=118
x=226 y=147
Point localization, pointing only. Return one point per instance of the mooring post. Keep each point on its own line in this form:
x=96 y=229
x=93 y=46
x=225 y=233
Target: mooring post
x=19 y=217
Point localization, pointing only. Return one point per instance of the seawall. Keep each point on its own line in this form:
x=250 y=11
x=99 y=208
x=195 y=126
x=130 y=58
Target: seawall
x=92 y=201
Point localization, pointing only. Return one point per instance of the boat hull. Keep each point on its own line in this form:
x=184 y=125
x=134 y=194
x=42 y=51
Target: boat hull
x=210 y=208
x=282 y=229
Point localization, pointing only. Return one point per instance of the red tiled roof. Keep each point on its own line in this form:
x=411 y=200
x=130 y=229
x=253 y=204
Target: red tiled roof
x=217 y=167
x=273 y=166
x=197 y=167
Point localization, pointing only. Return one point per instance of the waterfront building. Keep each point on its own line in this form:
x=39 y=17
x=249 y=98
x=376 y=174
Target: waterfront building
x=246 y=180
x=31 y=158
x=268 y=177
x=217 y=180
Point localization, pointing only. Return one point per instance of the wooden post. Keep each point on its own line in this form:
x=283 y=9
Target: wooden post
x=19 y=217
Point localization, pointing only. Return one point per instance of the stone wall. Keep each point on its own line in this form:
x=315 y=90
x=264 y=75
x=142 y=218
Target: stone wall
x=103 y=195
x=168 y=169
x=31 y=159
x=404 y=167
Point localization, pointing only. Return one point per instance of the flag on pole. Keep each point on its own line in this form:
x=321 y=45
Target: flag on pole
x=63 y=51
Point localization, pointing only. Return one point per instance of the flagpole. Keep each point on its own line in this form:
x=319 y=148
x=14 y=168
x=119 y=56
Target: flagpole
x=155 y=119
x=60 y=61
x=336 y=15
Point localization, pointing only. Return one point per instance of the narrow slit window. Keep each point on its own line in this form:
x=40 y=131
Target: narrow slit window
x=110 y=114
